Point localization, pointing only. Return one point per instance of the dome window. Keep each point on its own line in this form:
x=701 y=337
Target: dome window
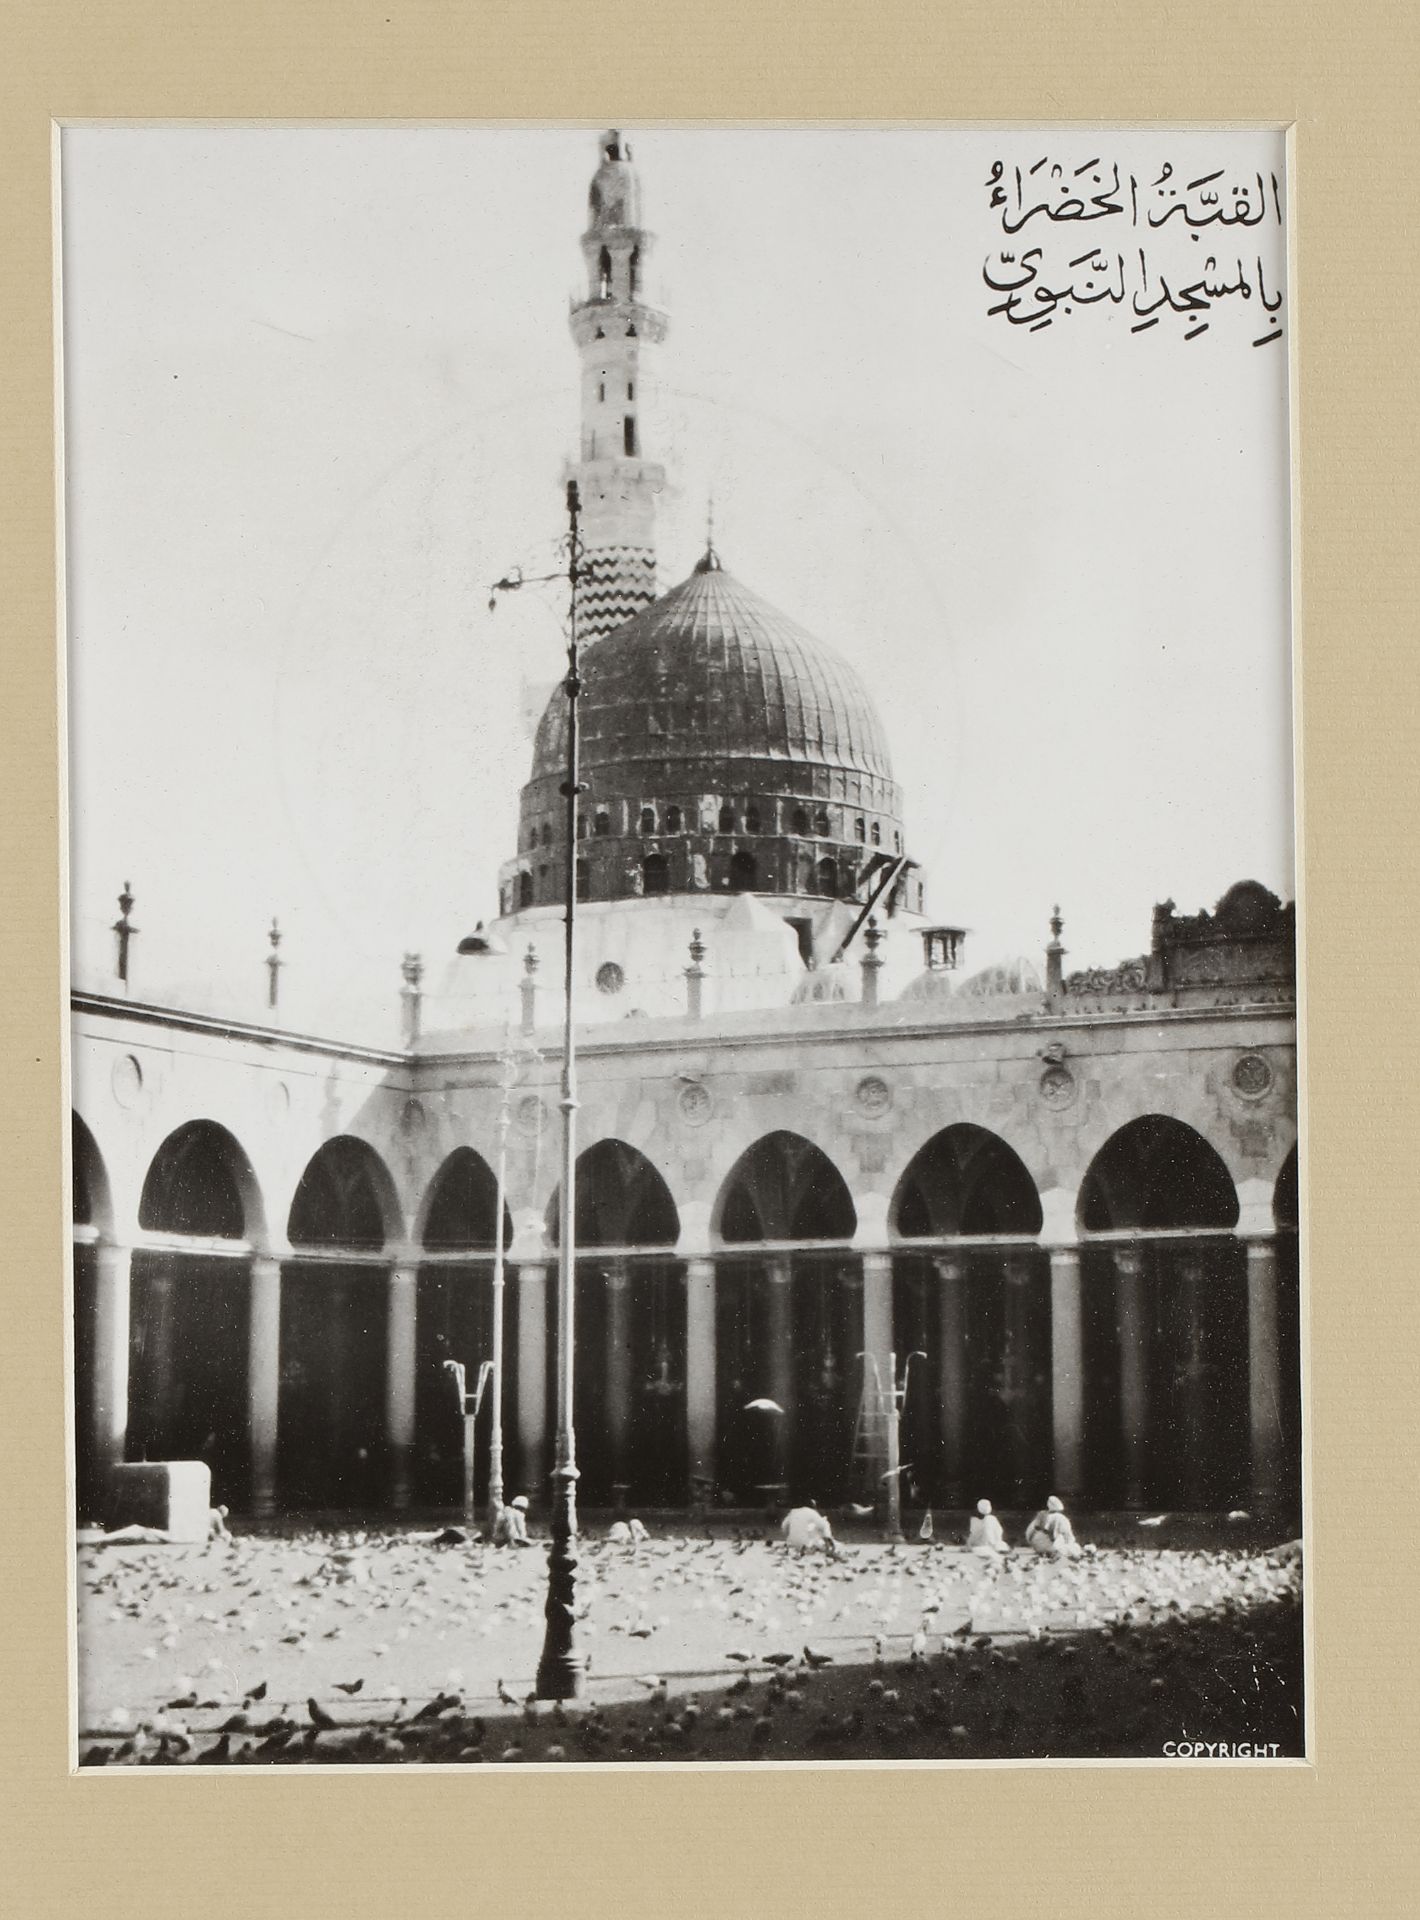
x=648 y=819
x=584 y=879
x=672 y=819
x=877 y=834
x=821 y=822
x=635 y=271
x=860 y=828
x=525 y=890
x=655 y=874
x=546 y=834
x=826 y=875
x=601 y=389
x=628 y=434
x=752 y=819
x=604 y=276
x=581 y=826
x=727 y=819
x=602 y=823
x=897 y=842
x=744 y=873
x=800 y=820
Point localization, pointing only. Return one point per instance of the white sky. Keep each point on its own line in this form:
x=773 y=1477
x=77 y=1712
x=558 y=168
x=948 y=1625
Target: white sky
x=319 y=387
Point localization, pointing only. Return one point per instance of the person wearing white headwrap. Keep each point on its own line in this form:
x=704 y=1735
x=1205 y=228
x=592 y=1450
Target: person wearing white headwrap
x=510 y=1529
x=1050 y=1531
x=985 y=1535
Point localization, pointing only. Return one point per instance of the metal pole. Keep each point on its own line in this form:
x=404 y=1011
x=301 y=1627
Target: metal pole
x=894 y=1456
x=495 y=1438
x=562 y=1668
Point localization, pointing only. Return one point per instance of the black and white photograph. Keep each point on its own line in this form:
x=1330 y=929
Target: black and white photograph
x=682 y=946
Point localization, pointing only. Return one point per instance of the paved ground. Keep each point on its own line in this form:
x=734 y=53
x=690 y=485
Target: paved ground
x=924 y=1651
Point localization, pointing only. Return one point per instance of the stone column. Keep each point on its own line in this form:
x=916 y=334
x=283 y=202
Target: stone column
x=1067 y=1373
x=1264 y=1372
x=532 y=1378
x=951 y=1374
x=399 y=1379
x=618 y=1370
x=1192 y=1380
x=700 y=1385
x=1133 y=1332
x=263 y=1381
x=1018 y=1389
x=878 y=1344
x=108 y=1411
x=158 y=1359
x=779 y=1319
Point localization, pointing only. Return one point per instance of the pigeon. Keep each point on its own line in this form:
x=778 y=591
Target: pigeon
x=319 y=1716
x=763 y=1406
x=812 y=1658
x=926 y=1530
x=257 y=1692
x=508 y=1699
x=1157 y=1521
x=858 y=1510
x=350 y=1686
x=778 y=1659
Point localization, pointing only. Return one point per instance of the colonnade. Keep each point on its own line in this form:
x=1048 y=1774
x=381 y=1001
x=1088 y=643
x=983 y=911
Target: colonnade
x=1053 y=1385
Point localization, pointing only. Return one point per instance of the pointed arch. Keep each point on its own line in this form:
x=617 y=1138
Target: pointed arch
x=783 y=1187
x=346 y=1198
x=201 y=1182
x=460 y=1210
x=965 y=1180
x=92 y=1194
x=1156 y=1173
x=622 y=1200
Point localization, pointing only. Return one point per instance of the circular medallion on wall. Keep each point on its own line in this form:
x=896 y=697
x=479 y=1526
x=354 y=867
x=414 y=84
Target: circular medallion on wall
x=696 y=1103
x=1252 y=1076
x=1058 y=1088
x=610 y=978
x=127 y=1080
x=873 y=1095
x=528 y=1113
x=278 y=1100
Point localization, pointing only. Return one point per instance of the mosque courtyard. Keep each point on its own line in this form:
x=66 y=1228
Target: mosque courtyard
x=342 y=1646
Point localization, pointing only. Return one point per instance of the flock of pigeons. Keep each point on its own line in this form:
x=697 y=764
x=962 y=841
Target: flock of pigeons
x=333 y=1649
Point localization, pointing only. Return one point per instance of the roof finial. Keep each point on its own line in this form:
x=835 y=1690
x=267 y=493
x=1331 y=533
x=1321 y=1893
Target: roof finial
x=710 y=563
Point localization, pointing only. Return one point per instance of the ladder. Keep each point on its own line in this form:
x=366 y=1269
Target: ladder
x=884 y=870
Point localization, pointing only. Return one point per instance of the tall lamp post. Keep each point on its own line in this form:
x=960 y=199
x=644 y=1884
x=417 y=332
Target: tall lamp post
x=561 y=1671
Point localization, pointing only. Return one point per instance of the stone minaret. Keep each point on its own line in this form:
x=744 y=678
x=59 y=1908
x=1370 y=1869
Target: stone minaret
x=613 y=328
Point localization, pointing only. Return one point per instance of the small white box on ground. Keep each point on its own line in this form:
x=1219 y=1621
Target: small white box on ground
x=173 y=1495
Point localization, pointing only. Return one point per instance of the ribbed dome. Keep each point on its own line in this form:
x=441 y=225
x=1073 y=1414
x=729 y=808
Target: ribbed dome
x=711 y=671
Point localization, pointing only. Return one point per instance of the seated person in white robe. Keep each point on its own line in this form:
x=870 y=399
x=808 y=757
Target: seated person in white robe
x=804 y=1528
x=1050 y=1531
x=510 y=1529
x=985 y=1535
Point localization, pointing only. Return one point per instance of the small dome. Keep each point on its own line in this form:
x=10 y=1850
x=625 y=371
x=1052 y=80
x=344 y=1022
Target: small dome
x=1017 y=975
x=711 y=671
x=828 y=986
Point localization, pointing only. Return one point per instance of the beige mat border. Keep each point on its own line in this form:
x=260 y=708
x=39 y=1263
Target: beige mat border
x=1336 y=1838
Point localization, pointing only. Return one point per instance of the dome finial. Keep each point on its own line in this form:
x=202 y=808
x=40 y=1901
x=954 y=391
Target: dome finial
x=710 y=563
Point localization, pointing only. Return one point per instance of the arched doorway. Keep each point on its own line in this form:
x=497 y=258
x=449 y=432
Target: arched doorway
x=1286 y=1212
x=630 y=1331
x=91 y=1215
x=974 y=1300
x=455 y=1322
x=331 y=1445
x=1165 y=1321
x=190 y=1308
x=789 y=1326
